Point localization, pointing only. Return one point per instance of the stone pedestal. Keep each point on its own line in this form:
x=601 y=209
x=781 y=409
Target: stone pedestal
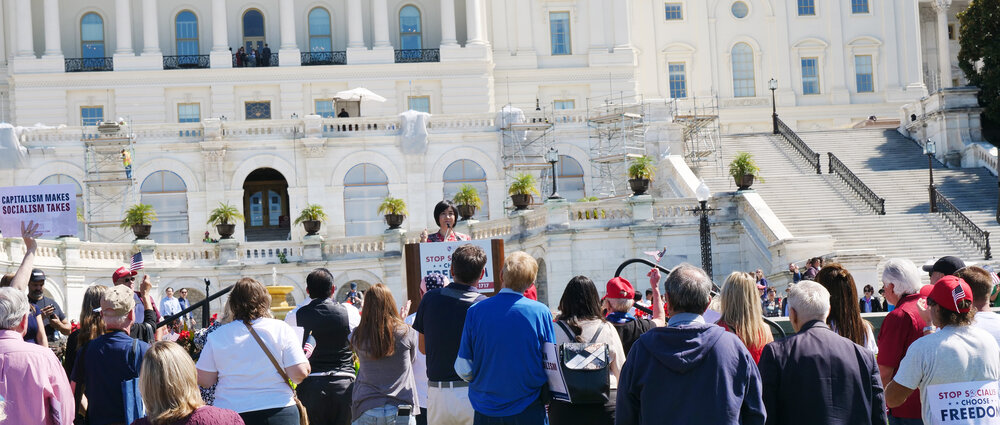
x=642 y=207
x=229 y=251
x=558 y=214
x=312 y=248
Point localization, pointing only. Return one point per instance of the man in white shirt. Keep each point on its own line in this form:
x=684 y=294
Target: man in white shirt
x=169 y=305
x=982 y=285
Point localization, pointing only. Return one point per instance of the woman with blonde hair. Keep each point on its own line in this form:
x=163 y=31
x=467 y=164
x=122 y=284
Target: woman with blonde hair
x=742 y=313
x=385 y=390
x=169 y=387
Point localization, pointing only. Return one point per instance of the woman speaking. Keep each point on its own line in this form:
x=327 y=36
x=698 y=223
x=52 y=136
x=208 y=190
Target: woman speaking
x=445 y=215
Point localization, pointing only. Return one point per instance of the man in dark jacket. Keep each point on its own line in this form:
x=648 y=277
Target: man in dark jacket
x=689 y=372
x=326 y=393
x=842 y=377
x=265 y=55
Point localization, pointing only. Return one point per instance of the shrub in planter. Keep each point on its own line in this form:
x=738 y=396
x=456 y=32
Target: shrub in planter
x=521 y=189
x=139 y=218
x=312 y=218
x=394 y=210
x=225 y=217
x=468 y=201
x=744 y=169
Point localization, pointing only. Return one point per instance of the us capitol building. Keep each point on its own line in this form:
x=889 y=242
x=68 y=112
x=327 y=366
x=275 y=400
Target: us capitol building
x=242 y=102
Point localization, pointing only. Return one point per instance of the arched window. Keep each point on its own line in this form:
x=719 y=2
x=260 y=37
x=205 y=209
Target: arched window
x=81 y=227
x=570 y=175
x=319 y=31
x=365 y=186
x=463 y=172
x=167 y=193
x=92 y=36
x=743 y=73
x=410 y=33
x=253 y=29
x=187 y=33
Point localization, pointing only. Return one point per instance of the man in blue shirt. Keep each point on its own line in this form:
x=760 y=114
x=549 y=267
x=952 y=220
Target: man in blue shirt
x=440 y=320
x=502 y=349
x=110 y=359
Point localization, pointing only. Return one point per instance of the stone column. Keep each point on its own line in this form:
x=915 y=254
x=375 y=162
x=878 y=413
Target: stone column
x=25 y=44
x=448 y=37
x=123 y=28
x=380 y=18
x=944 y=55
x=623 y=36
x=289 y=53
x=474 y=22
x=597 y=31
x=220 y=56
x=355 y=25
x=53 y=44
x=150 y=29
x=525 y=43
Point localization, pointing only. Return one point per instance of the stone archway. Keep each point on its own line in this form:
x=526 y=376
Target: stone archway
x=266 y=206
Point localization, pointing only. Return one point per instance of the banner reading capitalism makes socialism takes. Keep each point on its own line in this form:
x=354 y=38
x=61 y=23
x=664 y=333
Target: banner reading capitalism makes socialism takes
x=52 y=207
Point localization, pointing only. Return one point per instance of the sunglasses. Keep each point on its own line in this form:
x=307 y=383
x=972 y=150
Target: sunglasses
x=130 y=278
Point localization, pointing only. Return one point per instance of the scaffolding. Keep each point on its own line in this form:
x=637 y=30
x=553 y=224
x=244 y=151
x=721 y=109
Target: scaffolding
x=700 y=119
x=617 y=130
x=108 y=191
x=524 y=139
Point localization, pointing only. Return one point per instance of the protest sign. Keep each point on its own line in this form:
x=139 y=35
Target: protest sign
x=964 y=403
x=435 y=257
x=52 y=207
x=557 y=383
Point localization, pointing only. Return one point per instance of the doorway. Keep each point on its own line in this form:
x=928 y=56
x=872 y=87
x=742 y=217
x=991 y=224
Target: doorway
x=253 y=30
x=265 y=206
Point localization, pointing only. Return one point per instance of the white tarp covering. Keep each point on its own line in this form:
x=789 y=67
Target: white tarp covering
x=358 y=94
x=413 y=137
x=510 y=115
x=12 y=154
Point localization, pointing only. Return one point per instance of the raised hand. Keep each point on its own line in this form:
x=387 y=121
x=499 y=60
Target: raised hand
x=29 y=231
x=423 y=236
x=146 y=285
x=405 y=311
x=654 y=278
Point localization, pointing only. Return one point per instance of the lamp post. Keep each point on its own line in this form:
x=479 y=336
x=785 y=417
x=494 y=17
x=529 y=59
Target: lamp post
x=930 y=150
x=552 y=157
x=773 y=85
x=704 y=231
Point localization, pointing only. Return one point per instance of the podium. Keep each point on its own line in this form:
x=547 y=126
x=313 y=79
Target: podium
x=422 y=259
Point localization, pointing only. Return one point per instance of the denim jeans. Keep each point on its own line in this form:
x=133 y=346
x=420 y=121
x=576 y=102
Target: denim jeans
x=385 y=415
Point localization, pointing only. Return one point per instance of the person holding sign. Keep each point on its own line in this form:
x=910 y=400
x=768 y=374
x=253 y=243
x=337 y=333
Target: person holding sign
x=445 y=215
x=956 y=368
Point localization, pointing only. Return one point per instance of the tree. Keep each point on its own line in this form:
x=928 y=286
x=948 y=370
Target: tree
x=979 y=58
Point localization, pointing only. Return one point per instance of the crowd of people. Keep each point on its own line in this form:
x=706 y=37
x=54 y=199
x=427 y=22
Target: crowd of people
x=464 y=358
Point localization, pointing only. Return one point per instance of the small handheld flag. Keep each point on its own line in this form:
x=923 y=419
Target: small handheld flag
x=136 y=262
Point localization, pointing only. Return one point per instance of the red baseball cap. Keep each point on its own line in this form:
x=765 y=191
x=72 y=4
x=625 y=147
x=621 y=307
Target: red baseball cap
x=925 y=291
x=620 y=288
x=122 y=272
x=949 y=290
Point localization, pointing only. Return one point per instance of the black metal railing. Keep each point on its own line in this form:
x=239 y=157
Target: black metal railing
x=186 y=62
x=859 y=187
x=195 y=306
x=256 y=62
x=979 y=237
x=418 y=55
x=89 y=64
x=793 y=139
x=324 y=58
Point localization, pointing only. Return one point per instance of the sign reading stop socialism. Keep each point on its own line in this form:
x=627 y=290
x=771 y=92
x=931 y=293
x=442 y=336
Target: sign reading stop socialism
x=435 y=257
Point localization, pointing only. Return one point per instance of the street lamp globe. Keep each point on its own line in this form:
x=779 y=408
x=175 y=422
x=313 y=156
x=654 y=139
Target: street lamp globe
x=703 y=193
x=552 y=156
x=773 y=84
x=930 y=148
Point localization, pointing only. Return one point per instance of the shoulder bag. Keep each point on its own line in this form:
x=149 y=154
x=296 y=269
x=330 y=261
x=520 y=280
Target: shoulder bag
x=130 y=388
x=585 y=368
x=303 y=416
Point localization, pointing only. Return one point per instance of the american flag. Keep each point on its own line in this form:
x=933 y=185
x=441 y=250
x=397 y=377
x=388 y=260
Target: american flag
x=957 y=294
x=136 y=262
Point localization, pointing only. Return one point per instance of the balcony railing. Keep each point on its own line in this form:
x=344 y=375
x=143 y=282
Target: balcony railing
x=186 y=61
x=418 y=55
x=256 y=63
x=89 y=64
x=324 y=58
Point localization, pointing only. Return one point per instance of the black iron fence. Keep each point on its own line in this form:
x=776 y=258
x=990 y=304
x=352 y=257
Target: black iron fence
x=89 y=64
x=324 y=58
x=186 y=62
x=859 y=187
x=793 y=139
x=979 y=237
x=418 y=55
x=203 y=304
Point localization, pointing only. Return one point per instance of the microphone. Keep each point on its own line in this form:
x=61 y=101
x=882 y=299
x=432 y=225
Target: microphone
x=450 y=230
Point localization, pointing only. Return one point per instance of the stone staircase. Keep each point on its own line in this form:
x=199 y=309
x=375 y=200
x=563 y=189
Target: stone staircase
x=811 y=204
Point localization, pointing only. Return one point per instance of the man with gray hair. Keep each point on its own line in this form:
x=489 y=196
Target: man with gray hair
x=34 y=385
x=816 y=354
x=901 y=327
x=689 y=371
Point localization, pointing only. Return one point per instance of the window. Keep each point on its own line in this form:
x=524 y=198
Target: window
x=740 y=10
x=678 y=80
x=189 y=112
x=570 y=175
x=559 y=29
x=167 y=193
x=810 y=76
x=319 y=31
x=561 y=105
x=410 y=37
x=187 y=33
x=253 y=30
x=81 y=227
x=365 y=186
x=467 y=172
x=674 y=11
x=419 y=103
x=258 y=110
x=743 y=72
x=859 y=6
x=324 y=108
x=951 y=31
x=91 y=115
x=807 y=7
x=864 y=73
x=92 y=36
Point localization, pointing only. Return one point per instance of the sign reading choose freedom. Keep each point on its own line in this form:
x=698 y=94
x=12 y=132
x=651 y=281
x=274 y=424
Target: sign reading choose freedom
x=964 y=403
x=52 y=207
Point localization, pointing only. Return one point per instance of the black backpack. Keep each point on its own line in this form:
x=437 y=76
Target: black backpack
x=585 y=368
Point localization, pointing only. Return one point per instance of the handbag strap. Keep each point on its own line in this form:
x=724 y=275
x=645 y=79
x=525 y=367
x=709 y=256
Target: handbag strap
x=598 y=333
x=572 y=336
x=270 y=356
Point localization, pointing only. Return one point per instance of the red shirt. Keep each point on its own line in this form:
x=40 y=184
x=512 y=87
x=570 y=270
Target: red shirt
x=755 y=352
x=900 y=328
